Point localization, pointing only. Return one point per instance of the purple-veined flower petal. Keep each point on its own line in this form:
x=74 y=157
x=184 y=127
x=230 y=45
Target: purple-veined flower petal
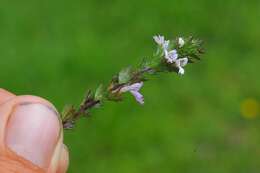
x=173 y=55
x=166 y=56
x=159 y=39
x=134 y=90
x=138 y=97
x=133 y=87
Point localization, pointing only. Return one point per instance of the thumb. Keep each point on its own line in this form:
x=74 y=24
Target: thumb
x=30 y=128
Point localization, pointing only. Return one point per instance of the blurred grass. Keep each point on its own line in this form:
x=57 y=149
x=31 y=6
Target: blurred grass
x=57 y=49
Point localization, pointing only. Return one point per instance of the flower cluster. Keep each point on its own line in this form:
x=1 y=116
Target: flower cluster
x=171 y=56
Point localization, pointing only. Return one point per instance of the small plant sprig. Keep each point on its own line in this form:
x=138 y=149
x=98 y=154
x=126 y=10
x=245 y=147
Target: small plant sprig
x=170 y=56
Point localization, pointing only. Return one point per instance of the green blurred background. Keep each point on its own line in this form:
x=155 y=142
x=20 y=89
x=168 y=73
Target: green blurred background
x=57 y=49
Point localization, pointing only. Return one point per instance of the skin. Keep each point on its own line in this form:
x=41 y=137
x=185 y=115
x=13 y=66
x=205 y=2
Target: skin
x=31 y=136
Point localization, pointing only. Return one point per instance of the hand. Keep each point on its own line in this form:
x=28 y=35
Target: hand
x=31 y=136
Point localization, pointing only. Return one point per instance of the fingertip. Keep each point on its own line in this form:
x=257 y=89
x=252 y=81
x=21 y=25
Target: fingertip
x=33 y=130
x=30 y=126
x=64 y=160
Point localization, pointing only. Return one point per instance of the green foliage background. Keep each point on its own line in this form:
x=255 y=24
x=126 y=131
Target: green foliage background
x=58 y=48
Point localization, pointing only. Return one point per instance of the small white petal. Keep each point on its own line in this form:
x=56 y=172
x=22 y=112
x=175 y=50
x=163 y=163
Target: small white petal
x=181 y=42
x=181 y=71
x=183 y=62
x=165 y=44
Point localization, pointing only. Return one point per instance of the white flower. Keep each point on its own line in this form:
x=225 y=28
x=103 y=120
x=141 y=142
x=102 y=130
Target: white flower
x=171 y=56
x=181 y=42
x=161 y=41
x=134 y=90
x=180 y=63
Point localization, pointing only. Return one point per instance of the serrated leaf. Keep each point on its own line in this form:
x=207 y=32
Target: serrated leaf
x=99 y=94
x=124 y=75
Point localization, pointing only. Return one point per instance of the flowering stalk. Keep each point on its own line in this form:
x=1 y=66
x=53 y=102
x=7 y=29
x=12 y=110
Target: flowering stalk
x=171 y=56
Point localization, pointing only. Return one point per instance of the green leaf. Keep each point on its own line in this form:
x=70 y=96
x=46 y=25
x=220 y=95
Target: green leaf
x=124 y=75
x=67 y=112
x=99 y=93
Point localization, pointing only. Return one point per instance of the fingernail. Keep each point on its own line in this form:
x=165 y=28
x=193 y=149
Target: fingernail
x=32 y=132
